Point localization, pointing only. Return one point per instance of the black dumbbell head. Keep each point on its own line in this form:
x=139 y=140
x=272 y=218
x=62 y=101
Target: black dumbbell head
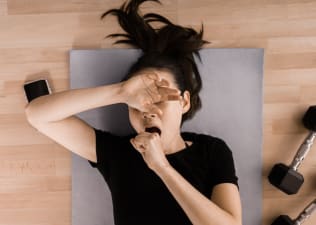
x=286 y=179
x=309 y=119
x=283 y=220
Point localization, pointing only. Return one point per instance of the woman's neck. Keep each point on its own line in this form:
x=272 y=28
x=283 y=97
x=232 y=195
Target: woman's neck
x=177 y=145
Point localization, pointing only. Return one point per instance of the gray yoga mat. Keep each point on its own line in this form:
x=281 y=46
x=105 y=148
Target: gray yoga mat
x=232 y=99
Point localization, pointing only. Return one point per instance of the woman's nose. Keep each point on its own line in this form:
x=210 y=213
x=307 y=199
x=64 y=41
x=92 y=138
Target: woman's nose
x=149 y=115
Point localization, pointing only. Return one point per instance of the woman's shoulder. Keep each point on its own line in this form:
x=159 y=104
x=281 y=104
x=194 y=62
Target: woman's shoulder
x=113 y=137
x=201 y=137
x=206 y=142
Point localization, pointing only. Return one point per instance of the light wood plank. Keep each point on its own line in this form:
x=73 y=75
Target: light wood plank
x=3 y=7
x=35 y=39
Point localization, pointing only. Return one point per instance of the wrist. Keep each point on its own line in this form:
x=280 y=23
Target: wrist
x=163 y=170
x=121 y=92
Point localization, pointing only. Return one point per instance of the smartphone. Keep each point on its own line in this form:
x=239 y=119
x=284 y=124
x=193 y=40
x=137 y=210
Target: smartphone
x=36 y=88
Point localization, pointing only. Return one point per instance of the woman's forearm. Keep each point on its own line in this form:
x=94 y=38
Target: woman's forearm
x=60 y=105
x=200 y=210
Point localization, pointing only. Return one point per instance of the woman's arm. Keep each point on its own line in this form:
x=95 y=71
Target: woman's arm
x=223 y=209
x=52 y=116
x=58 y=106
x=134 y=92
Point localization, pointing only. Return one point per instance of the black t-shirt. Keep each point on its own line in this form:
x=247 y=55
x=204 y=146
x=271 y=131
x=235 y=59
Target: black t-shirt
x=139 y=196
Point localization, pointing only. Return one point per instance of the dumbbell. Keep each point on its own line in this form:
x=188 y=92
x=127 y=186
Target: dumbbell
x=286 y=178
x=286 y=220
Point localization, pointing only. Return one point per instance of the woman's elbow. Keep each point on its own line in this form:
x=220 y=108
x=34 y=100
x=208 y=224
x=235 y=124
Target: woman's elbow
x=237 y=221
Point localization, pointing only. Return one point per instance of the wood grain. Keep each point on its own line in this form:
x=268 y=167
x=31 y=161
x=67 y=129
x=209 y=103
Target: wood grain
x=35 y=39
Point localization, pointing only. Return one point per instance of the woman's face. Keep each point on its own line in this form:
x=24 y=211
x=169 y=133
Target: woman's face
x=170 y=120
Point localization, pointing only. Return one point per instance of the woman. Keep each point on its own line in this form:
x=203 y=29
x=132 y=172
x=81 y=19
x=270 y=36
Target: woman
x=158 y=175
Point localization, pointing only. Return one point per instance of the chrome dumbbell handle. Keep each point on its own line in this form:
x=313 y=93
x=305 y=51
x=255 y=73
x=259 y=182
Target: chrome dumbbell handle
x=306 y=213
x=303 y=150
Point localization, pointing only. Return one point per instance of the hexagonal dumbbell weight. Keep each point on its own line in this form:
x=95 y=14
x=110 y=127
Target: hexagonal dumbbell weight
x=286 y=220
x=286 y=178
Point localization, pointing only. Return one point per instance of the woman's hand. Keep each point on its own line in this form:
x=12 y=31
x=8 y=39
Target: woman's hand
x=150 y=147
x=143 y=90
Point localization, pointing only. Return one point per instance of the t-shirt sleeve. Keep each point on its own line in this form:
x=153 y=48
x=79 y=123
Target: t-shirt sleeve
x=223 y=166
x=105 y=143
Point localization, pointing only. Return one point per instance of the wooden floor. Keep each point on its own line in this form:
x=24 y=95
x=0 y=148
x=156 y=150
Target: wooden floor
x=35 y=39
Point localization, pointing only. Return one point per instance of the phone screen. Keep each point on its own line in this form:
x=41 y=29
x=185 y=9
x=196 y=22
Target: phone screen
x=36 y=89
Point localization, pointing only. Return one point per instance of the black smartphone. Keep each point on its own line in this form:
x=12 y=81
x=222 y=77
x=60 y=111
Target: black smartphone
x=36 y=88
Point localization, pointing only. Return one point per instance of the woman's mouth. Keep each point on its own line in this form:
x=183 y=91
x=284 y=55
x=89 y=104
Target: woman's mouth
x=153 y=130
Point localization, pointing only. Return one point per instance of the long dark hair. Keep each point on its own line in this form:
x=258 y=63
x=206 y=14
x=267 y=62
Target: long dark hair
x=170 y=47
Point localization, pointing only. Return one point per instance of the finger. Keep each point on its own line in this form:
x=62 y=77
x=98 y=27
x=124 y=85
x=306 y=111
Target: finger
x=132 y=142
x=170 y=98
x=147 y=103
x=153 y=108
x=167 y=90
x=174 y=97
x=155 y=96
x=161 y=94
x=168 y=94
x=152 y=89
x=149 y=74
x=149 y=80
x=163 y=82
x=139 y=146
x=153 y=76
